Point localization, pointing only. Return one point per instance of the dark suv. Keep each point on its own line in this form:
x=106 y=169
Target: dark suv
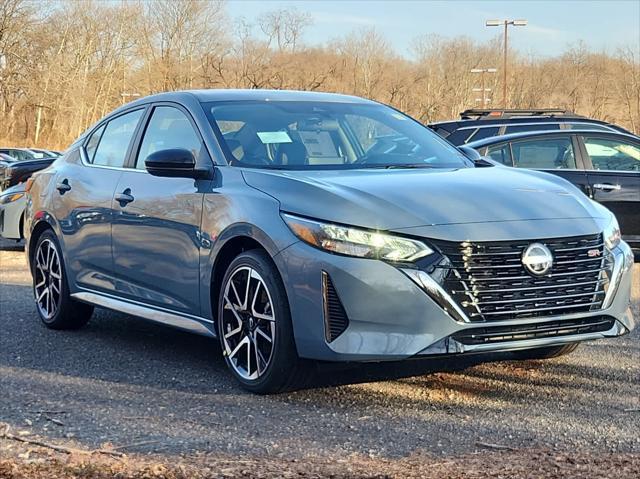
x=477 y=125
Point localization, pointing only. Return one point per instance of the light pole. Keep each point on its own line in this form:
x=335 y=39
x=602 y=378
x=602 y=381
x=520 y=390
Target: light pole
x=482 y=71
x=506 y=23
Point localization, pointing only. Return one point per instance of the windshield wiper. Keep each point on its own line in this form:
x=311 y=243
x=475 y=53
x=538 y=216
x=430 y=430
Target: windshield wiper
x=402 y=166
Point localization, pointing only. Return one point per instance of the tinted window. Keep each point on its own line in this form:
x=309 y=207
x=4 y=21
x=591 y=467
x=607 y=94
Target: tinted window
x=300 y=135
x=586 y=126
x=168 y=128
x=613 y=154
x=112 y=147
x=536 y=127
x=92 y=144
x=548 y=154
x=485 y=132
x=500 y=153
x=460 y=137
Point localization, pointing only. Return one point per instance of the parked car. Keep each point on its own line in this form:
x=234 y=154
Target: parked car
x=19 y=153
x=604 y=165
x=40 y=153
x=12 y=206
x=302 y=226
x=475 y=125
x=20 y=171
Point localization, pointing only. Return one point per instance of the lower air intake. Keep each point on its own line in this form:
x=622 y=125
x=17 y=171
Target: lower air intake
x=335 y=317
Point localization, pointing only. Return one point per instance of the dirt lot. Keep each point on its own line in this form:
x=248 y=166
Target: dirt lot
x=153 y=402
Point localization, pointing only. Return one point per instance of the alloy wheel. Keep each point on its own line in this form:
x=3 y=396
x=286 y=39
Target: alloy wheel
x=248 y=323
x=47 y=279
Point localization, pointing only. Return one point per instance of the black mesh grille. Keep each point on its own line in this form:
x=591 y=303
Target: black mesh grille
x=489 y=282
x=335 y=317
x=498 y=334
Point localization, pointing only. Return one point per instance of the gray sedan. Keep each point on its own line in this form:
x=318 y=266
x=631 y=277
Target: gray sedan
x=296 y=227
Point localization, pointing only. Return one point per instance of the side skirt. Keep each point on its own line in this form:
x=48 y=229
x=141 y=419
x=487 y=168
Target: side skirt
x=194 y=324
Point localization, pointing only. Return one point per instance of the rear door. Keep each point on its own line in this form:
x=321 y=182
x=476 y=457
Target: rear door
x=614 y=178
x=557 y=154
x=82 y=200
x=156 y=232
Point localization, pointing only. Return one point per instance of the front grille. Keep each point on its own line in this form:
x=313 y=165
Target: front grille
x=500 y=334
x=488 y=280
x=335 y=317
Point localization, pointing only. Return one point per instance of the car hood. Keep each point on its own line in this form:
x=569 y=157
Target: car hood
x=404 y=198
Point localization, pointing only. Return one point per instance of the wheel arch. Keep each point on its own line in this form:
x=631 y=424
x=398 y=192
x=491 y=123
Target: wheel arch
x=42 y=225
x=230 y=243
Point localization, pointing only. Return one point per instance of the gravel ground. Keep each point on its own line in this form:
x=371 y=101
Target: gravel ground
x=152 y=392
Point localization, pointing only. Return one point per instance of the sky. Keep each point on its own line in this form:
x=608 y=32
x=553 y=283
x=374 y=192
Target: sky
x=553 y=25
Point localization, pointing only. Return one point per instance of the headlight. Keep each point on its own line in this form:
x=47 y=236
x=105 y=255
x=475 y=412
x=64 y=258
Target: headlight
x=612 y=234
x=355 y=241
x=10 y=198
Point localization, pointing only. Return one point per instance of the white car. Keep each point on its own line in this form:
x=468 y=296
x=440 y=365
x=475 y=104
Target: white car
x=12 y=205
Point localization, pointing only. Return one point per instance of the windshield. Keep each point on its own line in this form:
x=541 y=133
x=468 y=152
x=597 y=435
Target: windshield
x=327 y=135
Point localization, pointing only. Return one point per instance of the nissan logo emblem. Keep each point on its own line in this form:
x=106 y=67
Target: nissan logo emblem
x=537 y=259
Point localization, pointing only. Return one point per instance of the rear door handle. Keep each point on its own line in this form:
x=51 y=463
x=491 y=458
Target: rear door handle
x=63 y=186
x=606 y=187
x=124 y=198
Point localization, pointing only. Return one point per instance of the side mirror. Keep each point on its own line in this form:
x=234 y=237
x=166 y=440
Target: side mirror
x=176 y=162
x=478 y=160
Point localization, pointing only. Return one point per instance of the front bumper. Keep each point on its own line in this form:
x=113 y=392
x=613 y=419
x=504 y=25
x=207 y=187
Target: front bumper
x=391 y=316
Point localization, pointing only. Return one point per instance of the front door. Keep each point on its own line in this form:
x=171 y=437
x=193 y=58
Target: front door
x=156 y=227
x=614 y=178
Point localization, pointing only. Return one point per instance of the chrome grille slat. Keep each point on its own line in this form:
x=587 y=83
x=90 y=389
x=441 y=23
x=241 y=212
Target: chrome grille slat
x=508 y=301
x=490 y=283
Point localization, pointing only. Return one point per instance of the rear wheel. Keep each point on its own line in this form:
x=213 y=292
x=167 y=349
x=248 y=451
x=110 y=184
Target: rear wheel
x=55 y=307
x=254 y=326
x=545 y=353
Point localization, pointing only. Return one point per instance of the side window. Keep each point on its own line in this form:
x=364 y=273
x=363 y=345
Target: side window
x=612 y=154
x=536 y=127
x=500 y=153
x=587 y=126
x=92 y=144
x=112 y=147
x=168 y=128
x=548 y=154
x=485 y=132
x=460 y=137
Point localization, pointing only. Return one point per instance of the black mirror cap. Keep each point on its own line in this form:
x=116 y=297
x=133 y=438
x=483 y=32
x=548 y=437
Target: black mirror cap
x=173 y=162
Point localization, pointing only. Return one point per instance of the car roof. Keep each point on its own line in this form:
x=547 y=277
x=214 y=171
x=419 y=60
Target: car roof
x=249 y=95
x=479 y=122
x=492 y=140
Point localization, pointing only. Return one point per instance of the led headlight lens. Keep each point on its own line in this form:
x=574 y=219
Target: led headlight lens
x=355 y=241
x=10 y=198
x=612 y=233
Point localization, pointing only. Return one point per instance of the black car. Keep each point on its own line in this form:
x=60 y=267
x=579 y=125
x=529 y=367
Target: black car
x=475 y=125
x=19 y=171
x=604 y=165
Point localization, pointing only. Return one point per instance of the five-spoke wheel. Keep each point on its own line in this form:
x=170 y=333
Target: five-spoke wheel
x=47 y=279
x=248 y=323
x=254 y=326
x=55 y=307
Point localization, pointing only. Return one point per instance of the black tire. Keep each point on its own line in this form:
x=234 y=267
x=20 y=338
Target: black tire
x=284 y=371
x=66 y=313
x=545 y=353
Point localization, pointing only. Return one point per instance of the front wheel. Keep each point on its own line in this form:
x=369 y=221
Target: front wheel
x=254 y=326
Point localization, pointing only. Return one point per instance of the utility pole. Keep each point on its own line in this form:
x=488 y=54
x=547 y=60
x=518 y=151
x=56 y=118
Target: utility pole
x=505 y=23
x=484 y=90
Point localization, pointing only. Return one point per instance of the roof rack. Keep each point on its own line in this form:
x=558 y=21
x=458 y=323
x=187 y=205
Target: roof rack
x=476 y=114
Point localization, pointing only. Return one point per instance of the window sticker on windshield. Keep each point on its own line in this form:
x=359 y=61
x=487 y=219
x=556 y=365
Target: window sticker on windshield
x=274 y=137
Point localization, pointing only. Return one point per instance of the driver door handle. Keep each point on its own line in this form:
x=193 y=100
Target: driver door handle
x=124 y=198
x=606 y=187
